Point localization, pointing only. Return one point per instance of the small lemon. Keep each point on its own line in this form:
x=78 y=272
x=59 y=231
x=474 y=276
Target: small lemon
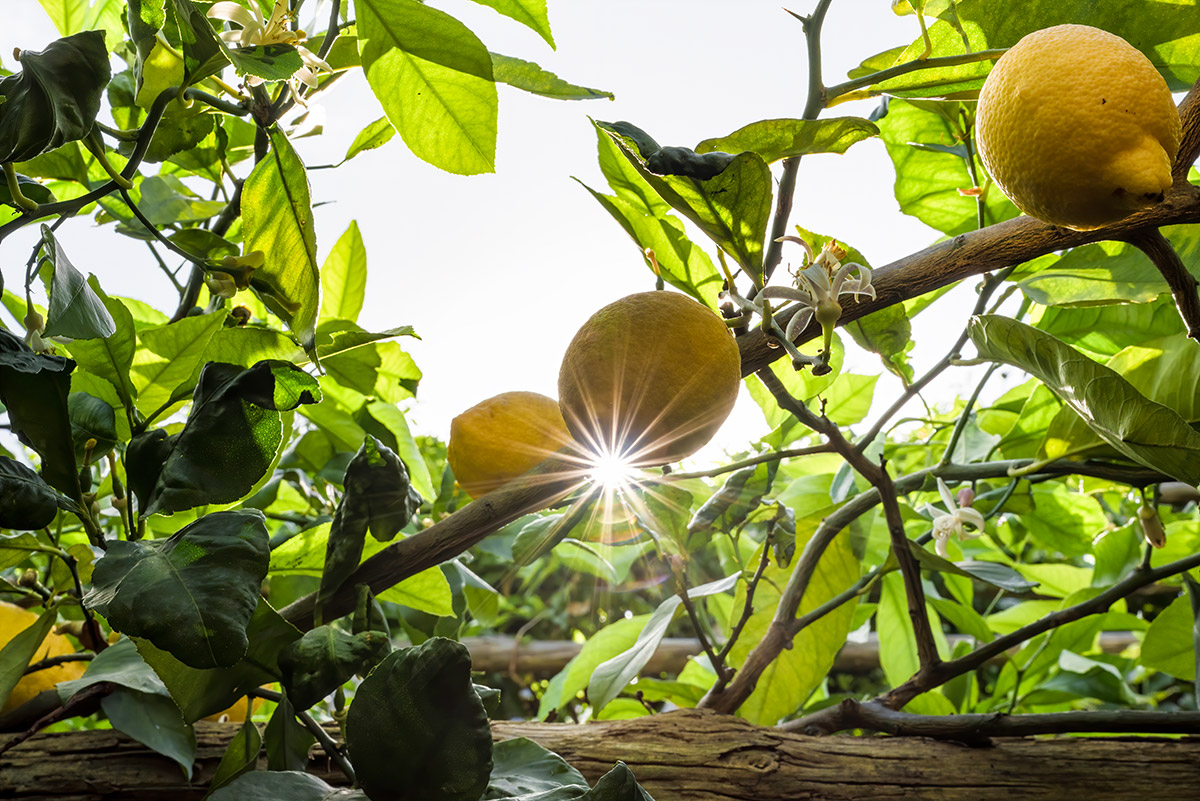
x=649 y=378
x=500 y=438
x=237 y=712
x=1077 y=127
x=14 y=620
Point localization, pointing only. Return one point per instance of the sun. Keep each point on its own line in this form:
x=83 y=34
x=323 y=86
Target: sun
x=612 y=472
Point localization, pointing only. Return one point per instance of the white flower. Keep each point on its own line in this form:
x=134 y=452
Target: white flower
x=954 y=521
x=819 y=285
x=257 y=32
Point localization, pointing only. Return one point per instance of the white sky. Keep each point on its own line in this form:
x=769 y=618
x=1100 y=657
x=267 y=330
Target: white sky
x=496 y=272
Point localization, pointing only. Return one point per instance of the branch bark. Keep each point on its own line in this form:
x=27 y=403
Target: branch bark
x=686 y=755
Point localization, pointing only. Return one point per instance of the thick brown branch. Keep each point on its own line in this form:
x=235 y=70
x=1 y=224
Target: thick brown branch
x=850 y=714
x=1189 y=148
x=1183 y=286
x=549 y=482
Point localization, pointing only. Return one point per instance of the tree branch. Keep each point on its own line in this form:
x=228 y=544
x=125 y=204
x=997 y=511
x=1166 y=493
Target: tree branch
x=977 y=728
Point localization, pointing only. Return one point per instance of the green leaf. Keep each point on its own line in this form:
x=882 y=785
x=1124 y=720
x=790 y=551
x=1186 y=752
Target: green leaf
x=154 y=721
x=610 y=677
x=929 y=173
x=849 y=398
x=376 y=134
x=613 y=639
x=111 y=356
x=530 y=13
x=273 y=62
x=203 y=53
x=781 y=139
x=381 y=370
x=320 y=661
x=277 y=219
x=898 y=650
x=378 y=497
x=1102 y=272
x=1167 y=36
x=792 y=677
x=681 y=263
x=191 y=594
x=1146 y=432
x=529 y=77
x=417 y=729
x=240 y=757
x=434 y=80
x=231 y=437
x=55 y=97
x=201 y=692
x=18 y=652
x=289 y=785
x=27 y=503
x=75 y=309
x=1059 y=519
x=344 y=277
x=522 y=768
x=1169 y=645
x=92 y=419
x=167 y=363
x=1102 y=331
x=286 y=739
x=145 y=19
x=741 y=494
x=732 y=207
x=29 y=188
x=406 y=446
x=118 y=664
x=34 y=389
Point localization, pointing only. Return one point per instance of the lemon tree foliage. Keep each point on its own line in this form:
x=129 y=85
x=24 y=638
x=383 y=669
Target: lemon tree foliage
x=186 y=492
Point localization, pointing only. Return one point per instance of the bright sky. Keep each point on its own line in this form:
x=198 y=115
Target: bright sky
x=497 y=272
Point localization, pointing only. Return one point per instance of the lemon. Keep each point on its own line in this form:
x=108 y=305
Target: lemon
x=649 y=379
x=1077 y=127
x=497 y=440
x=237 y=712
x=14 y=620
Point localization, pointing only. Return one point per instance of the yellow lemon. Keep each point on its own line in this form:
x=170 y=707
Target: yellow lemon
x=1077 y=127
x=237 y=712
x=497 y=440
x=14 y=620
x=649 y=379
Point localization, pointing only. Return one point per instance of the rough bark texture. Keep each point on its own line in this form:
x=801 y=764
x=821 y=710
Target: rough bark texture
x=686 y=755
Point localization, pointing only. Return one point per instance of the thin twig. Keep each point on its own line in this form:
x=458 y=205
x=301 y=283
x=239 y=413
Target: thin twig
x=750 y=462
x=724 y=675
x=53 y=661
x=833 y=92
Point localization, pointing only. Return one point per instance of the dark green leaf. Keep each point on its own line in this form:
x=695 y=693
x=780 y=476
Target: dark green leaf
x=55 y=97
x=34 y=388
x=118 y=664
x=180 y=130
x=618 y=784
x=286 y=739
x=529 y=77
x=378 y=498
x=230 y=439
x=203 y=692
x=273 y=62
x=1146 y=432
x=26 y=502
x=155 y=722
x=780 y=139
x=191 y=594
x=145 y=19
x=1193 y=594
x=17 y=653
x=993 y=573
x=30 y=188
x=320 y=661
x=732 y=207
x=434 y=80
x=417 y=730
x=283 y=786
x=203 y=53
x=75 y=310
x=92 y=419
x=278 y=220
x=240 y=757
x=523 y=768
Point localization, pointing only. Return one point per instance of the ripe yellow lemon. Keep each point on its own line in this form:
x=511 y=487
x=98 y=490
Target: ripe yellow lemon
x=14 y=620
x=237 y=712
x=1077 y=127
x=497 y=440
x=649 y=378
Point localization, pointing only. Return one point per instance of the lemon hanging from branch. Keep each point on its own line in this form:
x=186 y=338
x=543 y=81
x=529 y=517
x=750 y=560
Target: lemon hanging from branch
x=1077 y=127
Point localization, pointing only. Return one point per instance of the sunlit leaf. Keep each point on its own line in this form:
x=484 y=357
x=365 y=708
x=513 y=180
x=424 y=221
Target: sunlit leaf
x=780 y=139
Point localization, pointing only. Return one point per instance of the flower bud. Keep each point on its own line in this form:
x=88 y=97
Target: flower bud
x=1152 y=527
x=965 y=497
x=220 y=284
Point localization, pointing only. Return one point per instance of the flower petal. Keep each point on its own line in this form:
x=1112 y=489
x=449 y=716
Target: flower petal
x=232 y=12
x=947 y=496
x=799 y=322
x=971 y=517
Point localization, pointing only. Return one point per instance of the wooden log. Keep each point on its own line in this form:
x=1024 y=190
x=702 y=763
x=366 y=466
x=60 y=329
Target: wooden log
x=686 y=755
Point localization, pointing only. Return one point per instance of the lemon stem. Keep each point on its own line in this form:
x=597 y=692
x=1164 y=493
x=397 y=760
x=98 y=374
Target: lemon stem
x=14 y=189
